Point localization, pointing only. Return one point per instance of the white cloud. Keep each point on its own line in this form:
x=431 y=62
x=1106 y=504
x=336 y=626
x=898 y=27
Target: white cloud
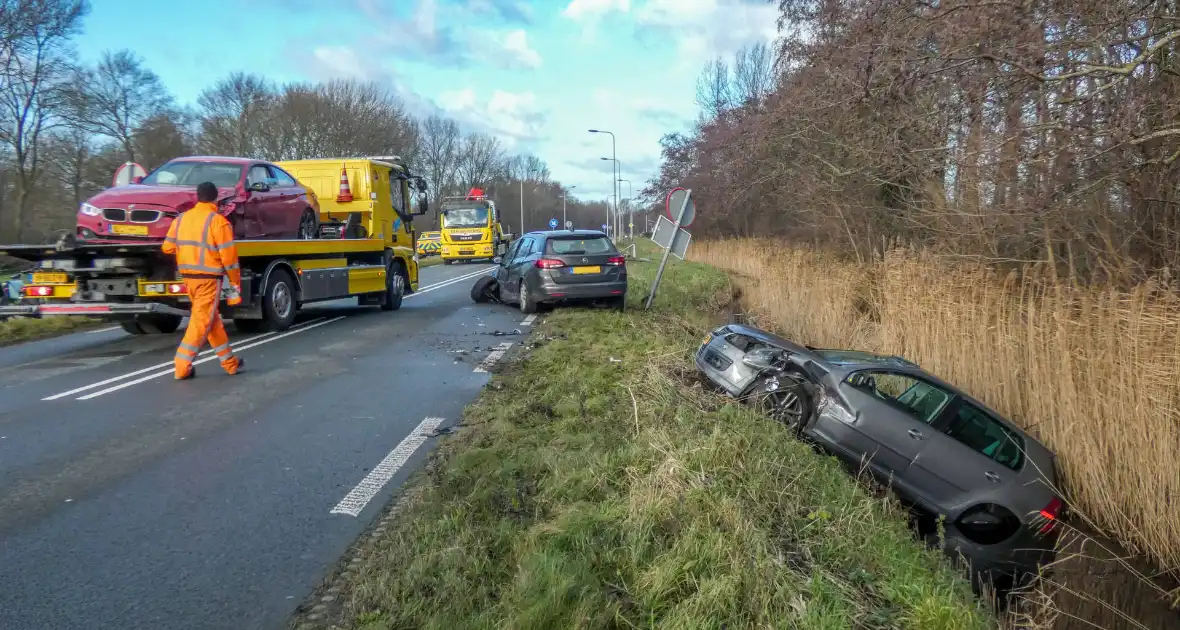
x=704 y=29
x=513 y=117
x=518 y=51
x=591 y=9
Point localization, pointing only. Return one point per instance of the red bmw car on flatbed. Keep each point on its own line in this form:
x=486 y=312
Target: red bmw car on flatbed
x=261 y=200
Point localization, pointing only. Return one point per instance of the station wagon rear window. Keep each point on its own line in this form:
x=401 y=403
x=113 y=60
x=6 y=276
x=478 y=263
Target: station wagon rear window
x=562 y=246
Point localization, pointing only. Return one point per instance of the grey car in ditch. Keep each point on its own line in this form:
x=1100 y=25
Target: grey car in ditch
x=943 y=452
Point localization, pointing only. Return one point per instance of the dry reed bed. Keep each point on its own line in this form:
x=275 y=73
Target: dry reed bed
x=1091 y=371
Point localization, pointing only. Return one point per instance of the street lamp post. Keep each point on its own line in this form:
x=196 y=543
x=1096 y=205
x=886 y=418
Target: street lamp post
x=614 y=172
x=563 y=199
x=630 y=219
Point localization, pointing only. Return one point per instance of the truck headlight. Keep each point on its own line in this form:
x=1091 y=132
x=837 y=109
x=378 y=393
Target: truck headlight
x=89 y=210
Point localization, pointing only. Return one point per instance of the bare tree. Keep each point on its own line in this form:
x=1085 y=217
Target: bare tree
x=753 y=74
x=441 y=143
x=714 y=89
x=232 y=114
x=33 y=70
x=481 y=160
x=116 y=97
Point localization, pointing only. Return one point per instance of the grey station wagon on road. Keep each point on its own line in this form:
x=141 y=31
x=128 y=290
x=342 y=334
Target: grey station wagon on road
x=562 y=266
x=943 y=452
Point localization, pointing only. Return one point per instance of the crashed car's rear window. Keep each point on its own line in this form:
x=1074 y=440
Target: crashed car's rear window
x=586 y=245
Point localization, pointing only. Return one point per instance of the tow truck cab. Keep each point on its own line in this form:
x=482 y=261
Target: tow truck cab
x=471 y=228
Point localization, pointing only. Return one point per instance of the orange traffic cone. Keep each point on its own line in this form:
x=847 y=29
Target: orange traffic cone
x=345 y=190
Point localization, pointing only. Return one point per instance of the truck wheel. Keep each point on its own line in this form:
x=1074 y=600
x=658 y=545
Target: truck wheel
x=395 y=287
x=448 y=261
x=154 y=324
x=131 y=327
x=309 y=227
x=484 y=289
x=278 y=303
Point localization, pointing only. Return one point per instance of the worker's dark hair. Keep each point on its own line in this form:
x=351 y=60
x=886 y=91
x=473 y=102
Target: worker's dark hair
x=206 y=192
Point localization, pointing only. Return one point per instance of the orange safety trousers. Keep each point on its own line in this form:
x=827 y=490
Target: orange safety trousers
x=204 y=323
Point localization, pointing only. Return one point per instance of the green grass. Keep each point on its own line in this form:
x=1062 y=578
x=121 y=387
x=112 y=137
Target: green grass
x=429 y=261
x=21 y=329
x=594 y=485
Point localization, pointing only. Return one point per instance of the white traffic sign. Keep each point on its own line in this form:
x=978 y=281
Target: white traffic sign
x=663 y=237
x=127 y=173
x=569 y=225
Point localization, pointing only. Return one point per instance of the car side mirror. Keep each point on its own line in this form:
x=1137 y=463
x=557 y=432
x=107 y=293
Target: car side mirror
x=137 y=179
x=422 y=206
x=259 y=187
x=498 y=260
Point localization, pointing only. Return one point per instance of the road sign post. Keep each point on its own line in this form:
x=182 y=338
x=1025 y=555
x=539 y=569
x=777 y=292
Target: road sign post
x=681 y=199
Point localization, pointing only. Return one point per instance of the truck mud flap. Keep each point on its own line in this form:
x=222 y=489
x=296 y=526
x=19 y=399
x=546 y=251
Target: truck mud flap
x=96 y=309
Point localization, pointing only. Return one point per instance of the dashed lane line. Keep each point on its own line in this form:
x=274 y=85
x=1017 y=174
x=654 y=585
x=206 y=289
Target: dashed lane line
x=355 y=501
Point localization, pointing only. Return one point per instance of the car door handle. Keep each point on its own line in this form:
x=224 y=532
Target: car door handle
x=992 y=477
x=916 y=434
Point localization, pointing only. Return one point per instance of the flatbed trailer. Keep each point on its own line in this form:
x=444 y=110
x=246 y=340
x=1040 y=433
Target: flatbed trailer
x=365 y=249
x=138 y=286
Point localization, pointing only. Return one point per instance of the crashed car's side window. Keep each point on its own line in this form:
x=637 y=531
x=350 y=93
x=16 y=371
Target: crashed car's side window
x=920 y=399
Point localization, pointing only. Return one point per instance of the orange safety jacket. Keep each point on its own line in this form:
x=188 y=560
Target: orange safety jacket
x=203 y=242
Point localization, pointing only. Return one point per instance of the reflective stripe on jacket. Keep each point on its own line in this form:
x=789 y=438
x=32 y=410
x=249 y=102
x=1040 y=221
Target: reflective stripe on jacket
x=203 y=242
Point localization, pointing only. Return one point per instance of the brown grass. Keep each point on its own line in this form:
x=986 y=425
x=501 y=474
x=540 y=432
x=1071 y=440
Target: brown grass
x=1092 y=371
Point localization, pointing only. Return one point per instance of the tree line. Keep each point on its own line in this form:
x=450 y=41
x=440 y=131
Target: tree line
x=66 y=126
x=1007 y=131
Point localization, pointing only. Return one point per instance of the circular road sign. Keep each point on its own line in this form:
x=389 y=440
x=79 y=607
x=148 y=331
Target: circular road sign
x=127 y=173
x=675 y=198
x=552 y=224
x=569 y=225
x=604 y=227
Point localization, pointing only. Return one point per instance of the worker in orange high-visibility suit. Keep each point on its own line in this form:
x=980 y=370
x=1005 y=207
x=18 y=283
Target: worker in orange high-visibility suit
x=203 y=242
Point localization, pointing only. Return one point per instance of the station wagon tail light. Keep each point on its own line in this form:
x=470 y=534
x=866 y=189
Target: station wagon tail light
x=1051 y=513
x=616 y=261
x=548 y=263
x=38 y=291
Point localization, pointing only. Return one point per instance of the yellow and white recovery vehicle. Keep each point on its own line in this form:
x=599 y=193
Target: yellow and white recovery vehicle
x=365 y=249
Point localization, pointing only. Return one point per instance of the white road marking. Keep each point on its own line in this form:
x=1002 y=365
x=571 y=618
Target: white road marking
x=102 y=330
x=496 y=354
x=247 y=346
x=355 y=501
x=236 y=346
x=447 y=283
x=528 y=321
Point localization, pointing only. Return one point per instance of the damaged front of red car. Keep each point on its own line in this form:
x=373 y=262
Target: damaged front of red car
x=143 y=211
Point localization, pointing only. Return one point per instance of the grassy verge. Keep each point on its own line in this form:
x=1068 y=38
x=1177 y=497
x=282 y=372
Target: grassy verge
x=429 y=261
x=593 y=485
x=21 y=329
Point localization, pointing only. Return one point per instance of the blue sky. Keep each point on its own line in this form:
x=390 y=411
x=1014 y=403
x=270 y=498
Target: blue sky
x=537 y=73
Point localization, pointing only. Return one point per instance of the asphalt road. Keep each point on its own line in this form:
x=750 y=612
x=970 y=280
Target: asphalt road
x=129 y=500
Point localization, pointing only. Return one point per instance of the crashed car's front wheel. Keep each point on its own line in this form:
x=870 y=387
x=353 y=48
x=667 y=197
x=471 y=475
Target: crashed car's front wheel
x=783 y=400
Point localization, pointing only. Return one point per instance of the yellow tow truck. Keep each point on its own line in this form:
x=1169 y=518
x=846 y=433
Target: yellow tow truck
x=365 y=249
x=429 y=244
x=471 y=228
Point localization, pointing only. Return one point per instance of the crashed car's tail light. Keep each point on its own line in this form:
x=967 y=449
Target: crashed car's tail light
x=1051 y=513
x=616 y=261
x=548 y=263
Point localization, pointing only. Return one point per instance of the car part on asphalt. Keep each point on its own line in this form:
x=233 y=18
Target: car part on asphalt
x=943 y=452
x=484 y=290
